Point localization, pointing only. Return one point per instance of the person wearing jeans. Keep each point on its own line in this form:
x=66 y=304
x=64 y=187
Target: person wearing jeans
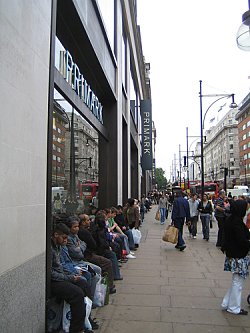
x=163 y=202
x=236 y=246
x=193 y=207
x=205 y=208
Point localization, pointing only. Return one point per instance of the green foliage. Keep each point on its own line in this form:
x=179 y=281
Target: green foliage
x=160 y=178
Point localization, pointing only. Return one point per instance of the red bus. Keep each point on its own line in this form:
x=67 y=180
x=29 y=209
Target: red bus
x=209 y=188
x=88 y=190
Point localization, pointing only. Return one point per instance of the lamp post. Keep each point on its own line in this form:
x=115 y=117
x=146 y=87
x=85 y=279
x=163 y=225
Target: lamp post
x=202 y=121
x=243 y=34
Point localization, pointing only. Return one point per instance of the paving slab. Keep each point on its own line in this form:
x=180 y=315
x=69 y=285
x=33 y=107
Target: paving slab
x=129 y=326
x=191 y=328
x=193 y=316
x=168 y=291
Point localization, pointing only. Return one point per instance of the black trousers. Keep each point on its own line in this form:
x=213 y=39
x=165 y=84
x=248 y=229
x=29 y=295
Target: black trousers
x=73 y=294
x=220 y=236
x=105 y=264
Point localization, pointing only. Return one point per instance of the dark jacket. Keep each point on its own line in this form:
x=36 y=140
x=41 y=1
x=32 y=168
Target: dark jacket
x=237 y=236
x=76 y=248
x=219 y=202
x=86 y=236
x=180 y=209
x=57 y=271
x=205 y=210
x=133 y=217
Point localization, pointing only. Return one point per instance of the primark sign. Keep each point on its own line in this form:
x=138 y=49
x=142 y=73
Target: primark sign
x=72 y=74
x=146 y=114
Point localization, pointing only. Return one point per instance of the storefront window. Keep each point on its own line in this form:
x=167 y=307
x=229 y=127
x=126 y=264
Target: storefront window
x=75 y=162
x=107 y=9
x=124 y=62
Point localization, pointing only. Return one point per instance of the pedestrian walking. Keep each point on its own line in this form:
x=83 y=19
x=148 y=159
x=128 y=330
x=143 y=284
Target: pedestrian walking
x=163 y=203
x=205 y=208
x=236 y=246
x=193 y=207
x=220 y=217
x=180 y=212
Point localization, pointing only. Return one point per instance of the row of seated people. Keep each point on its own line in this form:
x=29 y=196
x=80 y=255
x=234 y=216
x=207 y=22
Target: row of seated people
x=83 y=249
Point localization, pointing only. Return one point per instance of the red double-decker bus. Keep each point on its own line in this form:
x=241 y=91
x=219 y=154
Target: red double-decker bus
x=88 y=190
x=210 y=188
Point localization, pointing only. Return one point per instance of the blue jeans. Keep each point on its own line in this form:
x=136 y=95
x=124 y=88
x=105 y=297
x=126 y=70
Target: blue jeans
x=205 y=220
x=131 y=242
x=178 y=223
x=163 y=215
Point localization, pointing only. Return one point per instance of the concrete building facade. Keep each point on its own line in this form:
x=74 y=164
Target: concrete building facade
x=243 y=118
x=221 y=151
x=105 y=70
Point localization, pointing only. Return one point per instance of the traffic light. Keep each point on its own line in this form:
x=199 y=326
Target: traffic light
x=225 y=172
x=185 y=161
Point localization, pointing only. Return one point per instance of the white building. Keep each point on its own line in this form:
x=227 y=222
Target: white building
x=221 y=150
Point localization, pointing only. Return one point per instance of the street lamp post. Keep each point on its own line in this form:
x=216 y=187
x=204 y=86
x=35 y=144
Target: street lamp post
x=243 y=34
x=202 y=121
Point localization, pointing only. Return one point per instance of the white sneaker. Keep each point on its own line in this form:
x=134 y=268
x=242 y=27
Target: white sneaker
x=194 y=237
x=131 y=252
x=130 y=256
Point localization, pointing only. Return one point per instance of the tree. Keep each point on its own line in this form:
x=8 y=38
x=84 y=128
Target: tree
x=160 y=179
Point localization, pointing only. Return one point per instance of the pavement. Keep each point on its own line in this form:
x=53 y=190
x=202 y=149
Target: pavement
x=168 y=291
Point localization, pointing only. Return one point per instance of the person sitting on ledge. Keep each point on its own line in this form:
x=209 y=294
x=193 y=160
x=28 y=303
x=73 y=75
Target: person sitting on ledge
x=67 y=286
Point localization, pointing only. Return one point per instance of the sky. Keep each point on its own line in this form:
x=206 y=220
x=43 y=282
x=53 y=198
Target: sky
x=185 y=42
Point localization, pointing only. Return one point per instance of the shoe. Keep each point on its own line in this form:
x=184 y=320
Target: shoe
x=194 y=237
x=118 y=278
x=177 y=246
x=123 y=260
x=130 y=256
x=112 y=290
x=182 y=248
x=119 y=265
x=243 y=312
x=93 y=323
x=136 y=246
x=131 y=252
x=207 y=239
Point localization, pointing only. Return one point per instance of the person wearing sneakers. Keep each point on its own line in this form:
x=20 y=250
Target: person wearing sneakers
x=236 y=245
x=193 y=207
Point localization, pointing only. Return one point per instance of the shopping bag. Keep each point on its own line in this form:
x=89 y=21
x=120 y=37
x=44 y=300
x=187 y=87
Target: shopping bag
x=170 y=235
x=100 y=293
x=88 y=303
x=105 y=280
x=136 y=235
x=55 y=311
x=157 y=215
x=66 y=317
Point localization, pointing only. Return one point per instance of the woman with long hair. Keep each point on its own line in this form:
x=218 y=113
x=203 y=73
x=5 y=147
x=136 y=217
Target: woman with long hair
x=236 y=246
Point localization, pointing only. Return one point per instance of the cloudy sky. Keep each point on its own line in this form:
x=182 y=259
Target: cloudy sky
x=187 y=41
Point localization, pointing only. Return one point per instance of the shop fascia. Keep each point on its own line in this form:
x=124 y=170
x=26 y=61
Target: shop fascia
x=72 y=74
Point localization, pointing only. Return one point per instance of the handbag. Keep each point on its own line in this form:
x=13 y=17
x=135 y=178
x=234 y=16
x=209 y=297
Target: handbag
x=157 y=215
x=170 y=235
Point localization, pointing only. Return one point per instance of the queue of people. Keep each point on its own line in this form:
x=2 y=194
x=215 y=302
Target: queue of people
x=84 y=248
